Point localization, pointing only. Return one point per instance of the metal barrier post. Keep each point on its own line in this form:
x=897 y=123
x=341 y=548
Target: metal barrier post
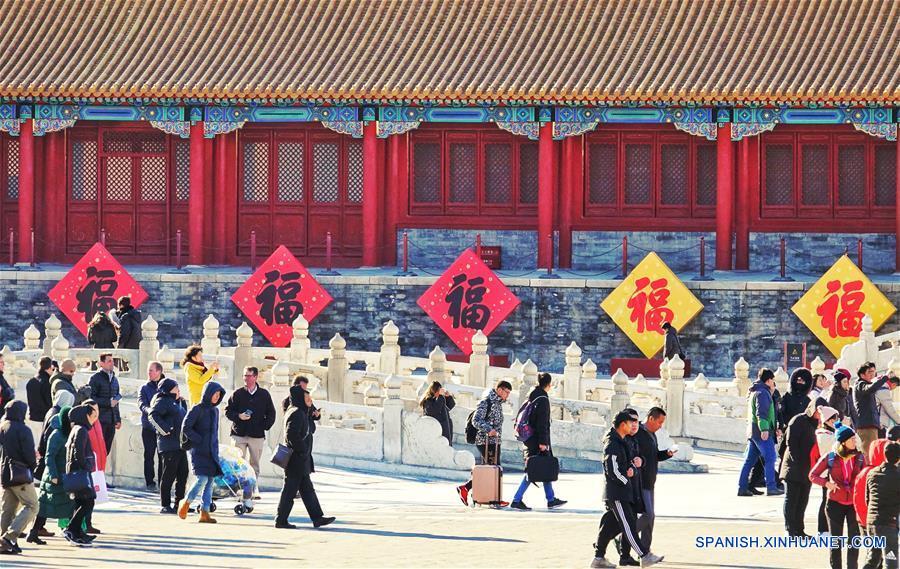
x=404 y=271
x=12 y=251
x=782 y=275
x=859 y=254
x=252 y=251
x=702 y=276
x=328 y=270
x=624 y=256
x=549 y=274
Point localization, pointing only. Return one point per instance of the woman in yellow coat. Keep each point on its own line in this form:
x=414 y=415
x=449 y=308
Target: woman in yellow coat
x=196 y=372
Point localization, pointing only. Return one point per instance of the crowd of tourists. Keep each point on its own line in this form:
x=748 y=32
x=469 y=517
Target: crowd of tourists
x=838 y=434
x=56 y=477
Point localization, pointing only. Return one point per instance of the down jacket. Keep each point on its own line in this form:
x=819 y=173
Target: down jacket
x=799 y=442
x=79 y=452
x=16 y=440
x=201 y=427
x=298 y=434
x=166 y=414
x=54 y=501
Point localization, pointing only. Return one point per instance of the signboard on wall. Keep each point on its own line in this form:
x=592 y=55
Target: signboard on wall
x=648 y=297
x=93 y=285
x=834 y=306
x=278 y=292
x=491 y=255
x=468 y=297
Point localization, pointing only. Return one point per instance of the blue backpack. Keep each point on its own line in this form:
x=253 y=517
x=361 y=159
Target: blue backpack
x=522 y=426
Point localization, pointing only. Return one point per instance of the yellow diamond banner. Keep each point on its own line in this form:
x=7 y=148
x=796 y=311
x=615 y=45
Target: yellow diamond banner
x=648 y=297
x=834 y=307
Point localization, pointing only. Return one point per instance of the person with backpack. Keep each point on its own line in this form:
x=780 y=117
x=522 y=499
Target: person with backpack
x=533 y=428
x=837 y=471
x=828 y=416
x=484 y=429
x=883 y=498
x=166 y=414
x=200 y=435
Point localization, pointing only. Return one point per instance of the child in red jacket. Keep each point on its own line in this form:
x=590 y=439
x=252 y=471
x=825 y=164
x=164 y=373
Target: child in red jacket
x=837 y=471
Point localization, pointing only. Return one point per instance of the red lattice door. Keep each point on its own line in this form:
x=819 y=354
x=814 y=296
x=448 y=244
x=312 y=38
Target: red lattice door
x=9 y=191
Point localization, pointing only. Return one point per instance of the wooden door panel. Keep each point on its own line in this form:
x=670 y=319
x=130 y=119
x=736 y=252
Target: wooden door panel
x=289 y=229
x=320 y=223
x=262 y=224
x=81 y=228
x=152 y=230
x=352 y=231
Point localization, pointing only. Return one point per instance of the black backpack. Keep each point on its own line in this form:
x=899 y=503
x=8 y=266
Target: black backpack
x=471 y=429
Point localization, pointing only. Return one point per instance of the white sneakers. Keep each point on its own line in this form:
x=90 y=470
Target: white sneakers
x=650 y=559
x=602 y=563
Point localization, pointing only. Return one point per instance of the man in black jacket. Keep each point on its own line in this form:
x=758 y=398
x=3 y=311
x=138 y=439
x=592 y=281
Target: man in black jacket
x=800 y=438
x=130 y=334
x=105 y=391
x=619 y=497
x=539 y=442
x=251 y=412
x=166 y=413
x=7 y=393
x=16 y=447
x=868 y=414
x=38 y=391
x=648 y=451
x=883 y=498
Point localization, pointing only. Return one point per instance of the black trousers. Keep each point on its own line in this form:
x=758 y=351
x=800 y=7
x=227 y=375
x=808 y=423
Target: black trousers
x=489 y=452
x=148 y=436
x=837 y=514
x=173 y=469
x=109 y=432
x=823 y=519
x=83 y=509
x=877 y=555
x=619 y=518
x=795 y=500
x=293 y=484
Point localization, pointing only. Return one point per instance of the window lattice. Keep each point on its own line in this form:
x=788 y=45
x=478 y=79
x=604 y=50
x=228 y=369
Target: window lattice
x=528 y=173
x=12 y=169
x=182 y=170
x=462 y=173
x=674 y=165
x=637 y=174
x=603 y=173
x=427 y=172
x=706 y=175
x=84 y=170
x=290 y=172
x=498 y=173
x=153 y=178
x=815 y=174
x=354 y=172
x=779 y=174
x=118 y=178
x=325 y=172
x=885 y=175
x=852 y=175
x=151 y=142
x=256 y=172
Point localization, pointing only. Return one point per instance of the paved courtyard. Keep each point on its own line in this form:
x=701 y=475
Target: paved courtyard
x=390 y=522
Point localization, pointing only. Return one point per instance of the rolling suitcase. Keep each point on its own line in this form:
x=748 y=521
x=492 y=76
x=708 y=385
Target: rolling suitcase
x=487 y=480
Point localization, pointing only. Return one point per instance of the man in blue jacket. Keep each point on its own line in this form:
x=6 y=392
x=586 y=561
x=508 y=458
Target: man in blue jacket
x=148 y=433
x=761 y=428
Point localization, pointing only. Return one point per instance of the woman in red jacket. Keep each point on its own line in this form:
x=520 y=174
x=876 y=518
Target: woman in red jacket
x=837 y=471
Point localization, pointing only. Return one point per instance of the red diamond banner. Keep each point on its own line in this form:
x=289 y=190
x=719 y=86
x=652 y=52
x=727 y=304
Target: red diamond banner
x=94 y=285
x=278 y=292
x=468 y=297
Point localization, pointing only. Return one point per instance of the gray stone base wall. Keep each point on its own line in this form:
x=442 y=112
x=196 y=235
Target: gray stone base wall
x=749 y=319
x=601 y=251
x=814 y=253
x=437 y=248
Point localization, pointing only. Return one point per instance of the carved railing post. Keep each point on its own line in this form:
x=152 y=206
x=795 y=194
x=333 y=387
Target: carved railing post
x=782 y=381
x=868 y=335
x=620 y=398
x=675 y=397
x=300 y=340
x=572 y=386
x=59 y=350
x=664 y=372
x=32 y=338
x=701 y=383
x=337 y=369
x=149 y=346
x=243 y=350
x=52 y=329
x=742 y=376
x=393 y=419
x=166 y=358
x=437 y=366
x=817 y=366
x=210 y=342
x=389 y=360
x=281 y=374
x=479 y=361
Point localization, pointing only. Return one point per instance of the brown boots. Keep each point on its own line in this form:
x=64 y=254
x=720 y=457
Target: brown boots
x=183 y=509
x=205 y=518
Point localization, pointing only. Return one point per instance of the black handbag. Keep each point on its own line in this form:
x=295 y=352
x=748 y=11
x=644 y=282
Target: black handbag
x=78 y=481
x=19 y=474
x=282 y=456
x=542 y=468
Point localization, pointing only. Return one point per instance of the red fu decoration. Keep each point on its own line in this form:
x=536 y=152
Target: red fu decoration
x=278 y=292
x=468 y=297
x=93 y=285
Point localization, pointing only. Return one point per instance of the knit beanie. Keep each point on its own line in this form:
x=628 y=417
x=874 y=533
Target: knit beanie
x=843 y=433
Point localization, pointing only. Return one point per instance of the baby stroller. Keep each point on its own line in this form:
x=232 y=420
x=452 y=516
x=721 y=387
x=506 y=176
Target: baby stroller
x=238 y=481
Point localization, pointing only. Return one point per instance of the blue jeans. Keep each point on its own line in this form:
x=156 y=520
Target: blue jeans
x=757 y=447
x=520 y=493
x=204 y=483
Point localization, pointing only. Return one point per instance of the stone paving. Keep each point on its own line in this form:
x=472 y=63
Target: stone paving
x=391 y=522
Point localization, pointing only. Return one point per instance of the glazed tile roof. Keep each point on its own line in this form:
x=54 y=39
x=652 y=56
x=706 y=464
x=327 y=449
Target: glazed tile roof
x=616 y=51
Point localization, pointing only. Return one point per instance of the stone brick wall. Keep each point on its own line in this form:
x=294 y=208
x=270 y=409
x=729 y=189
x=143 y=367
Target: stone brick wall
x=601 y=251
x=746 y=319
x=437 y=248
x=814 y=253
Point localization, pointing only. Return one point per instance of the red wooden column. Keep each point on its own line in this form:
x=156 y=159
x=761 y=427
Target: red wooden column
x=546 y=194
x=724 y=196
x=221 y=177
x=897 y=210
x=742 y=222
x=26 y=190
x=371 y=195
x=570 y=171
x=197 y=201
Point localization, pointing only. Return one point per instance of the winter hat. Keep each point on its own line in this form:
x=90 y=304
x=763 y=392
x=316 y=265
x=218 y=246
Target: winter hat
x=827 y=413
x=842 y=432
x=840 y=374
x=167 y=385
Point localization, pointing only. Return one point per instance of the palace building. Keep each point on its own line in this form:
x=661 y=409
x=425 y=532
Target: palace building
x=553 y=128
